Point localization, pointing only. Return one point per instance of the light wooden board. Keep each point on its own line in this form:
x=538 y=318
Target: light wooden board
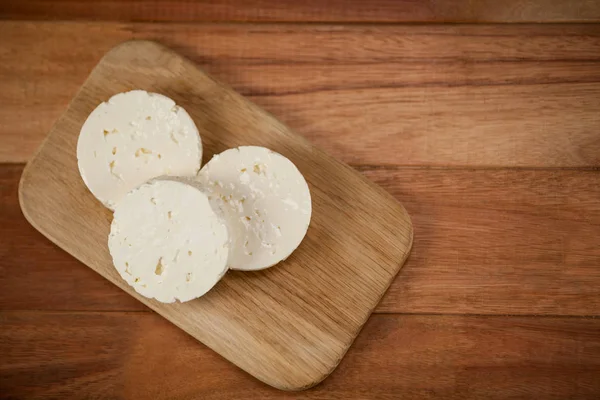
x=288 y=326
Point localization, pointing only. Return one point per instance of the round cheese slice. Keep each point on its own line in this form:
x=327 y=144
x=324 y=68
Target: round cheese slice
x=264 y=200
x=134 y=137
x=167 y=242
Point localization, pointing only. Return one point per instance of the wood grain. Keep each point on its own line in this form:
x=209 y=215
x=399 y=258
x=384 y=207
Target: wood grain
x=486 y=242
x=307 y=10
x=142 y=356
x=394 y=95
x=288 y=326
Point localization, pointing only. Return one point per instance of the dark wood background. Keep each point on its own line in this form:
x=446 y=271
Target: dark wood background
x=482 y=117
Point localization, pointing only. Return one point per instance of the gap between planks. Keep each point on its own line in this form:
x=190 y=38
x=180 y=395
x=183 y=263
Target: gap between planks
x=317 y=11
x=300 y=24
x=376 y=312
x=398 y=167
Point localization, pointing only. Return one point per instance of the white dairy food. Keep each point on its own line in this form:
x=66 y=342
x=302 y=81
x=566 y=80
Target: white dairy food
x=264 y=200
x=167 y=242
x=133 y=137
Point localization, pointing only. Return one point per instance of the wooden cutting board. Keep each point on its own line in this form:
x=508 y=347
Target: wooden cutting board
x=290 y=325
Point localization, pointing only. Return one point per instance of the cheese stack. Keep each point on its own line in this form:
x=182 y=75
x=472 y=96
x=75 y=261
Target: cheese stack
x=177 y=229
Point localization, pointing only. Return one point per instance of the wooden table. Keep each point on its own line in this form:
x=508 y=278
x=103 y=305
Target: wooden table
x=488 y=133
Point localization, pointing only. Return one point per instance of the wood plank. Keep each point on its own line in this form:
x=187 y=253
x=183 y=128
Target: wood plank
x=307 y=10
x=426 y=95
x=486 y=242
x=142 y=356
x=498 y=241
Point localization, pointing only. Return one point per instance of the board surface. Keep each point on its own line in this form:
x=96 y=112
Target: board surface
x=288 y=326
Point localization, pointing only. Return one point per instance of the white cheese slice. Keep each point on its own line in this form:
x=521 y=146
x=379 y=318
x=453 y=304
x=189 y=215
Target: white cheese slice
x=133 y=137
x=167 y=242
x=264 y=200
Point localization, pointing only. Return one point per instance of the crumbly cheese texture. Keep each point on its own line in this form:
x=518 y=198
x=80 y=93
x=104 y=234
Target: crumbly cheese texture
x=167 y=242
x=264 y=200
x=133 y=137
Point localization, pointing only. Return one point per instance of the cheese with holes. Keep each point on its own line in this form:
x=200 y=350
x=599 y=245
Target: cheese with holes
x=264 y=201
x=167 y=242
x=133 y=137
